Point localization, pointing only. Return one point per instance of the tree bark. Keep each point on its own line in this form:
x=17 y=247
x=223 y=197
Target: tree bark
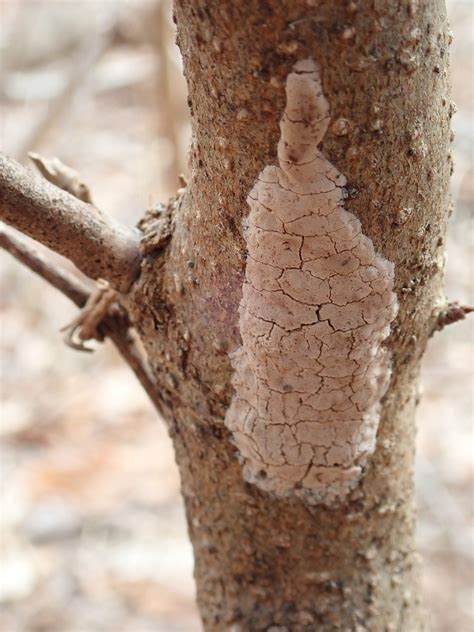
x=263 y=561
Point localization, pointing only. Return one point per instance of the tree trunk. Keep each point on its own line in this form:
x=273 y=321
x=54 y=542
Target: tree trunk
x=265 y=562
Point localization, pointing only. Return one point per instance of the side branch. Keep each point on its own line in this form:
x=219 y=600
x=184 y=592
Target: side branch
x=98 y=245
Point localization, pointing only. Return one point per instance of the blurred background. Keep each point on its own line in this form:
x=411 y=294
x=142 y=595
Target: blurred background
x=93 y=535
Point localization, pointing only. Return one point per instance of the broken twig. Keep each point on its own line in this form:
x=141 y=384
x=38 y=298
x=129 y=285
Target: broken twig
x=62 y=176
x=86 y=325
x=450 y=314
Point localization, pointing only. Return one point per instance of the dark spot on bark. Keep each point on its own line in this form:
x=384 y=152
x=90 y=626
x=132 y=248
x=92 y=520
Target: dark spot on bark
x=351 y=190
x=216 y=432
x=234 y=227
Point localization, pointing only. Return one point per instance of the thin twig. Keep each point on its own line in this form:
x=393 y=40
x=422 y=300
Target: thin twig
x=116 y=324
x=124 y=340
x=97 y=244
x=63 y=280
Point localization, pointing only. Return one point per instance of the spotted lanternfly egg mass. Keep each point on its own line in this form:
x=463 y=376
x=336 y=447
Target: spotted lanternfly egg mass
x=317 y=303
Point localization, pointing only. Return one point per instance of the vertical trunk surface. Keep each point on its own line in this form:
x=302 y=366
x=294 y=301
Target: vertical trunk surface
x=263 y=561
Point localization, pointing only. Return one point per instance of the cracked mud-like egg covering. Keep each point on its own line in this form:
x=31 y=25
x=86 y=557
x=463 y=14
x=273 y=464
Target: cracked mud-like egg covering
x=317 y=303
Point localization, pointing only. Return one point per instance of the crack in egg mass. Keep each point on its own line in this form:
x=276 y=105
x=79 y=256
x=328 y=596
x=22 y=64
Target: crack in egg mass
x=317 y=303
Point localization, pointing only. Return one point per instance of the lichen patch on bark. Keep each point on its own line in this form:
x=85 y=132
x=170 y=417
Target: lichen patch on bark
x=317 y=303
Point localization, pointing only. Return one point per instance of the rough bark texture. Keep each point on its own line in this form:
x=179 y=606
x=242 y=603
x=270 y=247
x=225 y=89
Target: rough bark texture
x=263 y=561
